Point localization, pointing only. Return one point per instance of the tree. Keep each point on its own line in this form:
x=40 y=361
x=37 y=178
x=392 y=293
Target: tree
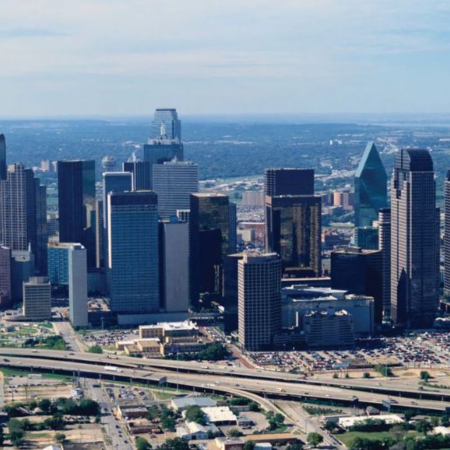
x=335 y=375
x=425 y=376
x=174 y=444
x=424 y=427
x=60 y=437
x=46 y=405
x=314 y=439
x=95 y=349
x=89 y=407
x=296 y=446
x=195 y=414
x=142 y=444
x=254 y=407
x=249 y=445
x=234 y=432
x=153 y=412
x=2 y=436
x=366 y=375
x=16 y=438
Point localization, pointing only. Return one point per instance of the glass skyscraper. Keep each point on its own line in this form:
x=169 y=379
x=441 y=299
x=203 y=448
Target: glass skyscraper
x=166 y=124
x=415 y=274
x=133 y=252
x=370 y=187
x=2 y=157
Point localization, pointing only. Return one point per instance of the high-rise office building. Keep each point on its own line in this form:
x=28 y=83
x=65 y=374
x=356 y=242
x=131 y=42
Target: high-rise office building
x=232 y=227
x=3 y=166
x=22 y=269
x=174 y=265
x=209 y=224
x=166 y=124
x=293 y=230
x=133 y=253
x=173 y=182
x=141 y=174
x=37 y=299
x=288 y=182
x=414 y=240
x=23 y=219
x=165 y=144
x=230 y=291
x=76 y=189
x=77 y=275
x=359 y=272
x=58 y=262
x=41 y=228
x=5 y=277
x=259 y=286
x=447 y=235
x=370 y=187
x=384 y=244
x=113 y=182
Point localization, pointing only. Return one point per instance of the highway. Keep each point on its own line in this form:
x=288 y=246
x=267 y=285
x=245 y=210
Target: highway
x=247 y=387
x=387 y=386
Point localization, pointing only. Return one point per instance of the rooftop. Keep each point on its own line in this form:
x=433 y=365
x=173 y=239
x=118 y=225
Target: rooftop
x=219 y=414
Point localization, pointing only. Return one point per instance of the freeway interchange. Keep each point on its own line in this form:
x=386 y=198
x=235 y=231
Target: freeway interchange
x=260 y=386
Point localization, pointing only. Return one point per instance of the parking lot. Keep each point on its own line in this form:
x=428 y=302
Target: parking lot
x=108 y=339
x=423 y=350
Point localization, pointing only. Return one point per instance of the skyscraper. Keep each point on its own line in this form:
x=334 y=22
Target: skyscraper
x=173 y=182
x=141 y=174
x=77 y=277
x=288 y=182
x=174 y=265
x=5 y=277
x=133 y=253
x=370 y=187
x=165 y=144
x=166 y=124
x=293 y=220
x=76 y=189
x=414 y=240
x=3 y=166
x=259 y=286
x=293 y=230
x=232 y=227
x=209 y=223
x=447 y=235
x=384 y=244
x=359 y=272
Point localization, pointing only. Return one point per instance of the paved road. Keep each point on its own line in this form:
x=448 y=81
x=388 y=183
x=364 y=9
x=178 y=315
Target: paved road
x=244 y=386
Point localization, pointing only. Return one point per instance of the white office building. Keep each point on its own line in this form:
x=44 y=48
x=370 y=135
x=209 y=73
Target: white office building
x=78 y=298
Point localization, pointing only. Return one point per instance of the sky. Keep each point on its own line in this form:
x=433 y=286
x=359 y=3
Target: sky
x=128 y=57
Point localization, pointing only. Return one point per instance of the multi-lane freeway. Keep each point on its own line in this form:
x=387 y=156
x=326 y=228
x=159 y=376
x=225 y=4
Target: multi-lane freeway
x=255 y=385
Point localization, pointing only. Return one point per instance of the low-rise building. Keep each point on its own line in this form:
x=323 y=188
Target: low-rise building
x=168 y=329
x=194 y=431
x=131 y=411
x=180 y=404
x=347 y=422
x=229 y=444
x=220 y=415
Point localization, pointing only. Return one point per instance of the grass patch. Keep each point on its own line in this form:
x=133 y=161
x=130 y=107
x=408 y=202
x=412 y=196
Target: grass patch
x=348 y=437
x=318 y=411
x=37 y=435
x=46 y=325
x=18 y=373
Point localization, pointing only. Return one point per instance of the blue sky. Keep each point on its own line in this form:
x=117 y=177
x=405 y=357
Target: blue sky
x=127 y=57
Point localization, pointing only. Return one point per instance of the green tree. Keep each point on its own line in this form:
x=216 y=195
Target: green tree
x=174 y=444
x=425 y=376
x=2 y=436
x=60 y=437
x=95 y=349
x=16 y=438
x=254 y=407
x=314 y=439
x=234 y=432
x=366 y=375
x=142 y=444
x=383 y=370
x=296 y=446
x=249 y=445
x=153 y=412
x=46 y=405
x=195 y=414
x=424 y=427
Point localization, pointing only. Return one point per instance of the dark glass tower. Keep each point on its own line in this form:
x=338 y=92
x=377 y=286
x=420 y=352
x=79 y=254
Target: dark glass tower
x=289 y=182
x=2 y=157
x=447 y=235
x=414 y=240
x=359 y=272
x=370 y=187
x=209 y=243
x=76 y=189
x=141 y=174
